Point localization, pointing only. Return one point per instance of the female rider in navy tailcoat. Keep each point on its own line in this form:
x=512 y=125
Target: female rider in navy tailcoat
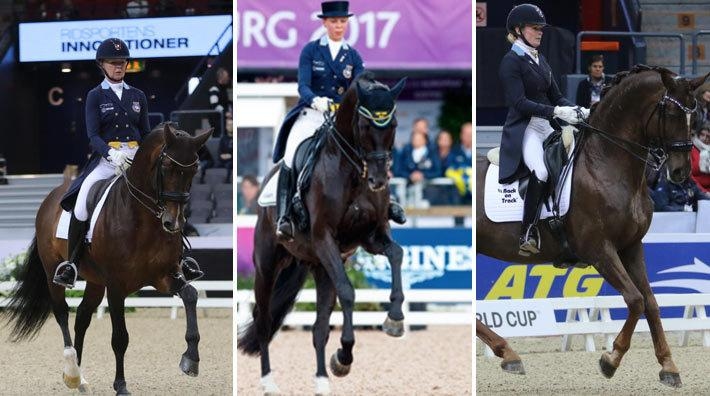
x=533 y=98
x=116 y=122
x=326 y=68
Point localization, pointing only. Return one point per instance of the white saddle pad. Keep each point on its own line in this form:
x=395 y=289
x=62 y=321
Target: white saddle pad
x=502 y=202
x=65 y=218
x=268 y=193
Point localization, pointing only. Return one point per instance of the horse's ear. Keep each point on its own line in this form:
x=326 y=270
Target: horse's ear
x=169 y=135
x=696 y=82
x=200 y=139
x=668 y=80
x=397 y=89
x=360 y=93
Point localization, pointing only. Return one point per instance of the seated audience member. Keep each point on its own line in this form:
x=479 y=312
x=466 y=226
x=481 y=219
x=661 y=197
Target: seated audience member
x=702 y=113
x=226 y=149
x=589 y=90
x=417 y=161
x=444 y=146
x=700 y=158
x=676 y=197
x=461 y=166
x=205 y=162
x=249 y=193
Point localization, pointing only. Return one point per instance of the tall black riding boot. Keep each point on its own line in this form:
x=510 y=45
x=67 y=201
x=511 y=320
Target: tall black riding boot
x=529 y=234
x=67 y=271
x=284 y=226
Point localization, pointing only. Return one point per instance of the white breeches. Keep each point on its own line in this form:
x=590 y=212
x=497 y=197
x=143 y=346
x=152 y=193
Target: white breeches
x=104 y=170
x=305 y=126
x=537 y=131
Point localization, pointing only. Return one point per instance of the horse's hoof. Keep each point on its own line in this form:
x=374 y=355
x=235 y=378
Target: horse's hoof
x=71 y=381
x=189 y=366
x=338 y=369
x=513 y=367
x=606 y=367
x=120 y=388
x=670 y=379
x=394 y=328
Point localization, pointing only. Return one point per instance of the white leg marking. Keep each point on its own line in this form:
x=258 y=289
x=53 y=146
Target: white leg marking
x=322 y=386
x=268 y=385
x=72 y=374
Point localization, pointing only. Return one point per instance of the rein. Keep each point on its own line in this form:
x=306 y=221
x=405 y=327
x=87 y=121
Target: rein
x=158 y=203
x=658 y=154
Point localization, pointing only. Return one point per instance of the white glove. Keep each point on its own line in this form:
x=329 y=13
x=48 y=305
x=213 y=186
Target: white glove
x=321 y=104
x=119 y=159
x=585 y=112
x=567 y=114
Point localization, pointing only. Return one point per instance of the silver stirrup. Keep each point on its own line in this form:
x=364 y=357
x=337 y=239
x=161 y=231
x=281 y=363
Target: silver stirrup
x=64 y=264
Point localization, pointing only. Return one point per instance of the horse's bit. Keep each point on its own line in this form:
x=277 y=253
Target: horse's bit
x=161 y=196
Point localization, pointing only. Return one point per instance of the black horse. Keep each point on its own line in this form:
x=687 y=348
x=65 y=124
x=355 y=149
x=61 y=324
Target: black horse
x=347 y=206
x=136 y=242
x=646 y=109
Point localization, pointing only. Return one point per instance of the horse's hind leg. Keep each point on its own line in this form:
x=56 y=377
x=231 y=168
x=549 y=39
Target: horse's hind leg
x=325 y=301
x=119 y=338
x=511 y=361
x=189 y=363
x=634 y=260
x=394 y=324
x=71 y=374
x=610 y=267
x=93 y=294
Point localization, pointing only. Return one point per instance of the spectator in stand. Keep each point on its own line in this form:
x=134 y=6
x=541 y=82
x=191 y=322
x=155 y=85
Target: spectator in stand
x=589 y=90
x=421 y=125
x=700 y=158
x=417 y=161
x=673 y=197
x=226 y=149
x=461 y=167
x=444 y=145
x=702 y=114
x=205 y=162
x=249 y=194
x=220 y=95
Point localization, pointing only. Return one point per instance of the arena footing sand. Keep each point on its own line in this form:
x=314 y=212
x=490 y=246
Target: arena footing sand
x=552 y=372
x=435 y=361
x=151 y=364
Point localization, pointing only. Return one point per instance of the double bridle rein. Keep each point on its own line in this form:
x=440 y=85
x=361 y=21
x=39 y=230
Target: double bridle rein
x=156 y=205
x=658 y=147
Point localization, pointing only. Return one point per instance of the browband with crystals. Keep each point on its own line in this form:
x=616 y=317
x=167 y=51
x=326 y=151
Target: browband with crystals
x=379 y=118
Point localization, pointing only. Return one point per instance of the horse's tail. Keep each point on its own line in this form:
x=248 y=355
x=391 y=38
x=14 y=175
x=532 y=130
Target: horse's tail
x=288 y=283
x=30 y=303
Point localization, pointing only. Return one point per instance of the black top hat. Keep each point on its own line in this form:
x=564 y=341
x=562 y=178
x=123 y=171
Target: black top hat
x=334 y=9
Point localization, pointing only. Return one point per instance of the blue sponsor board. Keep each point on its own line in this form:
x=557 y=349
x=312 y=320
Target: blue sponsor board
x=673 y=266
x=434 y=258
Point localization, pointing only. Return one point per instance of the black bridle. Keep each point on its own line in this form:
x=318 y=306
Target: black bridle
x=658 y=147
x=156 y=205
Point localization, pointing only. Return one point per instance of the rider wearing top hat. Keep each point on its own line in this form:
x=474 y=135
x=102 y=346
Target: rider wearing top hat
x=116 y=122
x=533 y=99
x=326 y=68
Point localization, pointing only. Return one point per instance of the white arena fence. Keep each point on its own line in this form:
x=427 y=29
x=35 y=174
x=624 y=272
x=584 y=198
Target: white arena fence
x=589 y=316
x=456 y=311
x=172 y=302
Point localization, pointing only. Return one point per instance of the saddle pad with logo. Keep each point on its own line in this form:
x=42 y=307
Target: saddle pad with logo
x=268 y=192
x=65 y=218
x=502 y=202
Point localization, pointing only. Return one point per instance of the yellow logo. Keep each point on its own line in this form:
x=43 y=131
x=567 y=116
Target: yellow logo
x=580 y=282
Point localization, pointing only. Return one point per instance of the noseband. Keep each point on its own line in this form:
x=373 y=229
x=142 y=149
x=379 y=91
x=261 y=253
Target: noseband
x=156 y=205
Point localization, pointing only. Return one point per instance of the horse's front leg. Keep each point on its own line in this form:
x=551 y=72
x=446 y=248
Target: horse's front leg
x=325 y=301
x=394 y=323
x=190 y=361
x=329 y=256
x=635 y=263
x=119 y=338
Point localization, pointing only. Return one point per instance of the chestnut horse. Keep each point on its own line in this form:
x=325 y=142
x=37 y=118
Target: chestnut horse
x=347 y=204
x=647 y=108
x=136 y=242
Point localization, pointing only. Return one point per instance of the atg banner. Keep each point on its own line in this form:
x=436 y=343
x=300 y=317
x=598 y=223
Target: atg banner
x=433 y=258
x=145 y=37
x=676 y=265
x=389 y=34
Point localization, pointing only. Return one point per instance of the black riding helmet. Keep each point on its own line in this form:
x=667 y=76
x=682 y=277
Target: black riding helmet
x=112 y=48
x=524 y=14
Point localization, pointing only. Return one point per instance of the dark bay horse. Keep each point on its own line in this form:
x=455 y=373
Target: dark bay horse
x=136 y=242
x=611 y=209
x=347 y=204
